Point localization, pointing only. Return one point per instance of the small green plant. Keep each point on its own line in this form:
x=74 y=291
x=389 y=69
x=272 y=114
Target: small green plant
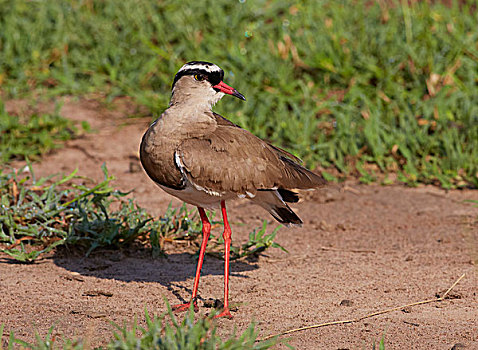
x=257 y=243
x=168 y=333
x=46 y=343
x=381 y=345
x=30 y=137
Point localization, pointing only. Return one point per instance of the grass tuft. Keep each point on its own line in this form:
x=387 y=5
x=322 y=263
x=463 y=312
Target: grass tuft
x=170 y=333
x=257 y=243
x=40 y=214
x=177 y=224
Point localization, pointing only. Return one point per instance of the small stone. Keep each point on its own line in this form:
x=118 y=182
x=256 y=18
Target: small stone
x=458 y=346
x=346 y=302
x=341 y=227
x=407 y=309
x=214 y=303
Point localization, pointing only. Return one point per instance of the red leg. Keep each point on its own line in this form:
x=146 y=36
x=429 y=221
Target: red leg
x=206 y=231
x=227 y=245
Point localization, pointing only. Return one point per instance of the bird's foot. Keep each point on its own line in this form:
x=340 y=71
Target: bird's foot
x=185 y=307
x=225 y=313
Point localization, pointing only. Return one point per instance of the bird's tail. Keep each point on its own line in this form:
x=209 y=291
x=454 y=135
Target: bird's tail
x=274 y=202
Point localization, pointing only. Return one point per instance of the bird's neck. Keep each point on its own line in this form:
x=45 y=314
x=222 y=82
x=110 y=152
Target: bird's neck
x=193 y=106
x=197 y=102
x=181 y=118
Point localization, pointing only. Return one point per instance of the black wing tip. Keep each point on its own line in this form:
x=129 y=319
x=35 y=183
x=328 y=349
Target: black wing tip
x=286 y=216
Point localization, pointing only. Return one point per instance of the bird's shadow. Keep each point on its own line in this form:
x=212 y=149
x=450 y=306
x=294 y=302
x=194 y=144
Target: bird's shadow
x=167 y=270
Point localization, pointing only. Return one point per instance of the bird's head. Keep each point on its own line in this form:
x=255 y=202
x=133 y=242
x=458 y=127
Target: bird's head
x=202 y=83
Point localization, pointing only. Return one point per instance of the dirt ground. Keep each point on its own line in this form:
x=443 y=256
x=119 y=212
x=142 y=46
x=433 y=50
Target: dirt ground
x=362 y=249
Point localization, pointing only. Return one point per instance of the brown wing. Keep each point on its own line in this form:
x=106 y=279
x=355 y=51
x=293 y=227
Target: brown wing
x=220 y=120
x=231 y=159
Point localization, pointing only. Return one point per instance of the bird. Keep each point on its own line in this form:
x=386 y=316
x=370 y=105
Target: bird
x=206 y=160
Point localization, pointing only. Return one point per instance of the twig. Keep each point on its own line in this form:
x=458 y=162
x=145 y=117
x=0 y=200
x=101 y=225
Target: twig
x=368 y=315
x=348 y=250
x=290 y=258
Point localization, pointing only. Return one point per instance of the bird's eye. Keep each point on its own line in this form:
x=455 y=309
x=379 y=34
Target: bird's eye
x=199 y=77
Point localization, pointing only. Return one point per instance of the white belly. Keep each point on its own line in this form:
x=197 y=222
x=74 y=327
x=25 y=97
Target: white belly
x=198 y=197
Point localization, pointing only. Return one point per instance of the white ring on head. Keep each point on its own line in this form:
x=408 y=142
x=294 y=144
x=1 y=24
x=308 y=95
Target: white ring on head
x=206 y=67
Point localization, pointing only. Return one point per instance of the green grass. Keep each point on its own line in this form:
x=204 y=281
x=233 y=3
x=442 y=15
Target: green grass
x=361 y=87
x=381 y=344
x=30 y=137
x=161 y=333
x=168 y=334
x=36 y=215
x=56 y=210
x=257 y=242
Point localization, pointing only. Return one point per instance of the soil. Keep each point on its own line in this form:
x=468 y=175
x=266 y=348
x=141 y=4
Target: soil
x=362 y=249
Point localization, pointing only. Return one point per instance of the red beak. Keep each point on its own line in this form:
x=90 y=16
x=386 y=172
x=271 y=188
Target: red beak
x=223 y=87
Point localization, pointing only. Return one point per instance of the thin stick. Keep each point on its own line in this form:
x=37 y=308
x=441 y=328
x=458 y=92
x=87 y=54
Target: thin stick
x=348 y=250
x=360 y=318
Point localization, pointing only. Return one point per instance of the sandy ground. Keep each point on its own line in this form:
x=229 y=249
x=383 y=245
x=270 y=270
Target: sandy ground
x=362 y=249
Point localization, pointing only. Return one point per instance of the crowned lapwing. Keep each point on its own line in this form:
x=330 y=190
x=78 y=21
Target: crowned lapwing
x=205 y=160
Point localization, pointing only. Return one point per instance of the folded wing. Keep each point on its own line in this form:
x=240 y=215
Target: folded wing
x=231 y=159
